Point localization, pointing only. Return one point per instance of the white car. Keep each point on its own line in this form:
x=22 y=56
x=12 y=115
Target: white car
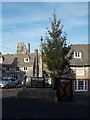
x=8 y=82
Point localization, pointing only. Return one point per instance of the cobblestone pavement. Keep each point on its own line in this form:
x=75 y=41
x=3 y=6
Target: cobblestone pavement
x=12 y=107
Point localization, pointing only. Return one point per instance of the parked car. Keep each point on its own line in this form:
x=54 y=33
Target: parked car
x=8 y=82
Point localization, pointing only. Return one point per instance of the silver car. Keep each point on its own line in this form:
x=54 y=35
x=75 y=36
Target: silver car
x=8 y=82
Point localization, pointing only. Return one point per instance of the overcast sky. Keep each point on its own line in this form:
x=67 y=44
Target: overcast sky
x=27 y=21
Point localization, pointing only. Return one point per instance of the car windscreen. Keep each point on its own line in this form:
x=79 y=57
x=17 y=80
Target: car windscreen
x=5 y=79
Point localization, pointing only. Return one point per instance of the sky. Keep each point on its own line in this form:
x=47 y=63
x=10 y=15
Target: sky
x=45 y=0
x=27 y=21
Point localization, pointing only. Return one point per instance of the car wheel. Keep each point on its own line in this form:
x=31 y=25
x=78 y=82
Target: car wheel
x=7 y=86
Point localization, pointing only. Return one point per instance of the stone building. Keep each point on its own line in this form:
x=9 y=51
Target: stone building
x=24 y=62
x=16 y=65
x=80 y=65
x=19 y=64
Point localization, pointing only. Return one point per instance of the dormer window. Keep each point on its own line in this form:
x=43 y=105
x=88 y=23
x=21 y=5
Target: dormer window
x=26 y=59
x=77 y=54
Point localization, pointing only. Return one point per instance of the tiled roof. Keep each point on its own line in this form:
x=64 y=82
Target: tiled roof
x=80 y=44
x=18 y=60
x=84 y=49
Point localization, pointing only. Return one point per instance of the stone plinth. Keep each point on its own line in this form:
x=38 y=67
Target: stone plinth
x=38 y=93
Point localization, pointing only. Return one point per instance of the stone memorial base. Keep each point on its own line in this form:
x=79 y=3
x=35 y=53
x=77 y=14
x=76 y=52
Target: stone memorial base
x=46 y=94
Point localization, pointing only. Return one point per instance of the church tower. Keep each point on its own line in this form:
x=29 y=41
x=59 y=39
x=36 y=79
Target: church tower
x=40 y=59
x=21 y=48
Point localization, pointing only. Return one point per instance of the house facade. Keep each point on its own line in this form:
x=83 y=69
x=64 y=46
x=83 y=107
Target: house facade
x=81 y=67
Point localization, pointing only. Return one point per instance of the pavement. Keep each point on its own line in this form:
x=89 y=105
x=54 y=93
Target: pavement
x=16 y=108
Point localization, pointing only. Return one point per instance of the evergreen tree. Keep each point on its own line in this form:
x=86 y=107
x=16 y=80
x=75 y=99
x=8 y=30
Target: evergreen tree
x=56 y=52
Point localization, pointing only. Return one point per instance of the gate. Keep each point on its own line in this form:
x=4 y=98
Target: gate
x=64 y=89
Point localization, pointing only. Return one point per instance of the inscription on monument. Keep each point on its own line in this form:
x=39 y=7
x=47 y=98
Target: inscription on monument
x=37 y=82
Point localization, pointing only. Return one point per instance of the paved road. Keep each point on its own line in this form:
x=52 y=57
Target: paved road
x=12 y=107
x=11 y=92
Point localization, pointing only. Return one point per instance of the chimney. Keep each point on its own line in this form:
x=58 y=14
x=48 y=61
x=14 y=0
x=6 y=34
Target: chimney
x=36 y=62
x=28 y=47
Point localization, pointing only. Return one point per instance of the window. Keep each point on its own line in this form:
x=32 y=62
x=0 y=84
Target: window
x=80 y=71
x=17 y=69
x=77 y=54
x=25 y=69
x=26 y=59
x=7 y=69
x=81 y=85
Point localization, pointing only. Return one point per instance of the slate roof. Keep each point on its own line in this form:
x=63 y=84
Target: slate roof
x=85 y=59
x=18 y=60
